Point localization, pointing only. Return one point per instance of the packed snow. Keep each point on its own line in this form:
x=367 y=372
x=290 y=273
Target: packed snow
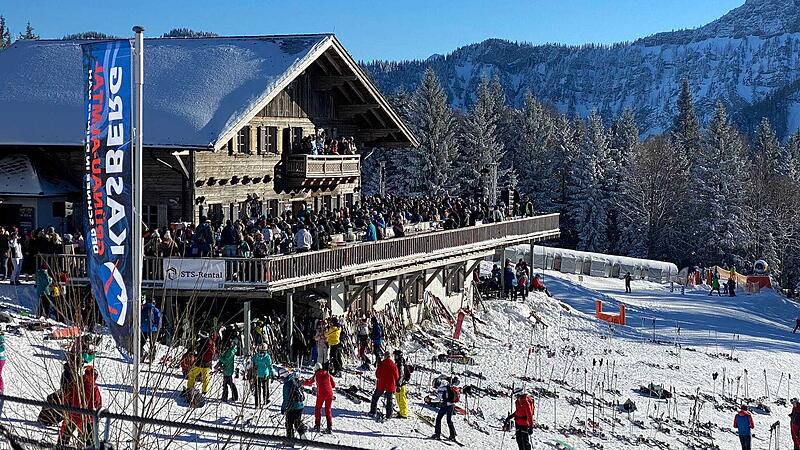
x=673 y=339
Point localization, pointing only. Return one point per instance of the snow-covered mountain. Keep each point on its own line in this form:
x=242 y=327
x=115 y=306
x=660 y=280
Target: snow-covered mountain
x=741 y=58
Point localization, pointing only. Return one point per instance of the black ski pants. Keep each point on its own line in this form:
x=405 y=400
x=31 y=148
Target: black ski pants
x=745 y=440
x=294 y=421
x=523 y=437
x=445 y=411
x=227 y=381
x=262 y=391
x=376 y=397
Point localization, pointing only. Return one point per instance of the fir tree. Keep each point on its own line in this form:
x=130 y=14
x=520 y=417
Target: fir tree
x=685 y=130
x=28 y=34
x=532 y=156
x=624 y=139
x=5 y=34
x=768 y=151
x=589 y=195
x=187 y=33
x=482 y=146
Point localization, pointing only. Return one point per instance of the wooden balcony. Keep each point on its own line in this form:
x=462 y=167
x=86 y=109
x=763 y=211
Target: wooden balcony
x=320 y=168
x=346 y=263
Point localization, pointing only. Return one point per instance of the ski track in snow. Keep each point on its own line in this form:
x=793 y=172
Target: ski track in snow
x=756 y=329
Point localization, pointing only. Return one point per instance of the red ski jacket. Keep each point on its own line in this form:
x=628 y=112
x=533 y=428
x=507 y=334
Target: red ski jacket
x=387 y=375
x=325 y=383
x=523 y=415
x=537 y=284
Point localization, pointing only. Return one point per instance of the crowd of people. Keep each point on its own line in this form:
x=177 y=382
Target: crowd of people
x=321 y=144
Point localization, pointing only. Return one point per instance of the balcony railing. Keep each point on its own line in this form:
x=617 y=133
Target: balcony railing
x=323 y=166
x=253 y=273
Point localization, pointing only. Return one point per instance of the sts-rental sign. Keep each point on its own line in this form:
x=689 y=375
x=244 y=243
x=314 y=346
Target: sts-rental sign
x=107 y=183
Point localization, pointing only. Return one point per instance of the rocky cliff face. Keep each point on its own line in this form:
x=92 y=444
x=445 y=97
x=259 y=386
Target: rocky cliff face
x=748 y=58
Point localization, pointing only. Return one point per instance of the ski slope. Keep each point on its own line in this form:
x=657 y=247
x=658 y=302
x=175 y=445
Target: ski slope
x=576 y=356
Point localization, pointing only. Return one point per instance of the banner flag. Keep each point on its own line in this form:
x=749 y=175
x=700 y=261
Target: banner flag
x=108 y=158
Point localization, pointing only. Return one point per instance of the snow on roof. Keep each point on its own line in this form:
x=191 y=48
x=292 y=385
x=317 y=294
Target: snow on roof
x=20 y=176
x=195 y=90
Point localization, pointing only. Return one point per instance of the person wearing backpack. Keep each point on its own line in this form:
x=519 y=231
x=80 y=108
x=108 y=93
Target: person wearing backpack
x=385 y=385
x=449 y=394
x=262 y=371
x=292 y=406
x=325 y=386
x=743 y=422
x=404 y=370
x=523 y=419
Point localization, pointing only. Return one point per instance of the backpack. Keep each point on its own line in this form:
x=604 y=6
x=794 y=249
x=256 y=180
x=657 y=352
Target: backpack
x=296 y=392
x=456 y=392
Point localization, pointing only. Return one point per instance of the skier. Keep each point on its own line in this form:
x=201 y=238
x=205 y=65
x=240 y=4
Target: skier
x=377 y=340
x=523 y=419
x=628 y=279
x=715 y=286
x=386 y=376
x=151 y=322
x=404 y=372
x=292 y=406
x=321 y=342
x=44 y=290
x=325 y=386
x=333 y=335
x=795 y=423
x=226 y=364
x=743 y=422
x=202 y=365
x=262 y=372
x=539 y=286
x=447 y=395
x=796 y=325
x=509 y=282
x=362 y=336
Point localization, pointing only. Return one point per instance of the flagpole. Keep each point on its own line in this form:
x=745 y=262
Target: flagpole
x=138 y=79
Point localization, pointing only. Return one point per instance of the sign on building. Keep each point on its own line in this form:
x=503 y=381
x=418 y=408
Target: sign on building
x=194 y=273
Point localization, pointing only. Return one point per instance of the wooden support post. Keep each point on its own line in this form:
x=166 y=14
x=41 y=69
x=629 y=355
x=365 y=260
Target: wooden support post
x=247 y=332
x=435 y=274
x=290 y=325
x=531 y=274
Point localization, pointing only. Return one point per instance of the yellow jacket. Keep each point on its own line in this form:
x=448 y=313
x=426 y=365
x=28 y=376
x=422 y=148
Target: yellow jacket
x=332 y=334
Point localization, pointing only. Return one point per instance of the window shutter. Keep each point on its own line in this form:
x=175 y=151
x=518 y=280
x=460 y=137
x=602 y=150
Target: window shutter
x=262 y=140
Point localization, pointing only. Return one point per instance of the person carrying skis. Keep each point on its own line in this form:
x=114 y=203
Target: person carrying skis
x=628 y=279
x=362 y=336
x=325 y=386
x=523 y=419
x=262 y=372
x=333 y=334
x=795 y=423
x=385 y=385
x=226 y=364
x=202 y=365
x=404 y=372
x=377 y=340
x=715 y=286
x=743 y=422
x=151 y=322
x=447 y=393
x=292 y=405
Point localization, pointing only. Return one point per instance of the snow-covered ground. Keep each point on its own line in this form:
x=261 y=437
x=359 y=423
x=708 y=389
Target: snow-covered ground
x=576 y=356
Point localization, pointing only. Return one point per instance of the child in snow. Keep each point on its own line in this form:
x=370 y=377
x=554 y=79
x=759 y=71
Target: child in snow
x=743 y=422
x=325 y=386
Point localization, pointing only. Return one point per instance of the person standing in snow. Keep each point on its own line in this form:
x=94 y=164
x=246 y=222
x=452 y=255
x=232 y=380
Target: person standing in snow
x=2 y=361
x=226 y=364
x=386 y=376
x=628 y=279
x=151 y=322
x=715 y=286
x=333 y=336
x=15 y=251
x=376 y=334
x=362 y=337
x=44 y=290
x=446 y=393
x=83 y=393
x=509 y=282
x=325 y=386
x=523 y=419
x=404 y=372
x=292 y=406
x=796 y=325
x=202 y=365
x=743 y=422
x=321 y=344
x=794 y=424
x=262 y=372
x=522 y=280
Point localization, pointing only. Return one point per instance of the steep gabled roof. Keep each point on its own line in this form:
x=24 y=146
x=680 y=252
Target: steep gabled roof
x=197 y=92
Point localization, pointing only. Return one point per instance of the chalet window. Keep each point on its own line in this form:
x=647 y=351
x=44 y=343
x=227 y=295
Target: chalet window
x=261 y=140
x=243 y=140
x=272 y=140
x=150 y=215
x=456 y=283
x=215 y=212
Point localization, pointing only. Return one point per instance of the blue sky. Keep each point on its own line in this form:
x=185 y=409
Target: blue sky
x=377 y=29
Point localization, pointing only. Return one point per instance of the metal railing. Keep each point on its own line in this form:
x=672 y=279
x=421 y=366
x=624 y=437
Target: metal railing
x=323 y=166
x=250 y=271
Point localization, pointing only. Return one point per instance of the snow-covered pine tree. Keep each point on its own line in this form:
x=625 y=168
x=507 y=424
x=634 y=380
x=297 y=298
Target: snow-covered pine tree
x=793 y=156
x=531 y=153
x=768 y=151
x=28 y=34
x=624 y=139
x=481 y=145
x=431 y=165
x=718 y=186
x=589 y=194
x=685 y=130
x=5 y=34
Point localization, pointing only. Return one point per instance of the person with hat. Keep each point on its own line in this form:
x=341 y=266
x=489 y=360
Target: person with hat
x=743 y=422
x=362 y=337
x=377 y=339
x=385 y=385
x=293 y=404
x=263 y=371
x=150 y=324
x=325 y=386
x=523 y=419
x=226 y=363
x=401 y=395
x=795 y=423
x=202 y=365
x=447 y=392
x=333 y=333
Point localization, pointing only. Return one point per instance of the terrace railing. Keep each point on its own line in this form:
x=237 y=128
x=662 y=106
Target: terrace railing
x=323 y=166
